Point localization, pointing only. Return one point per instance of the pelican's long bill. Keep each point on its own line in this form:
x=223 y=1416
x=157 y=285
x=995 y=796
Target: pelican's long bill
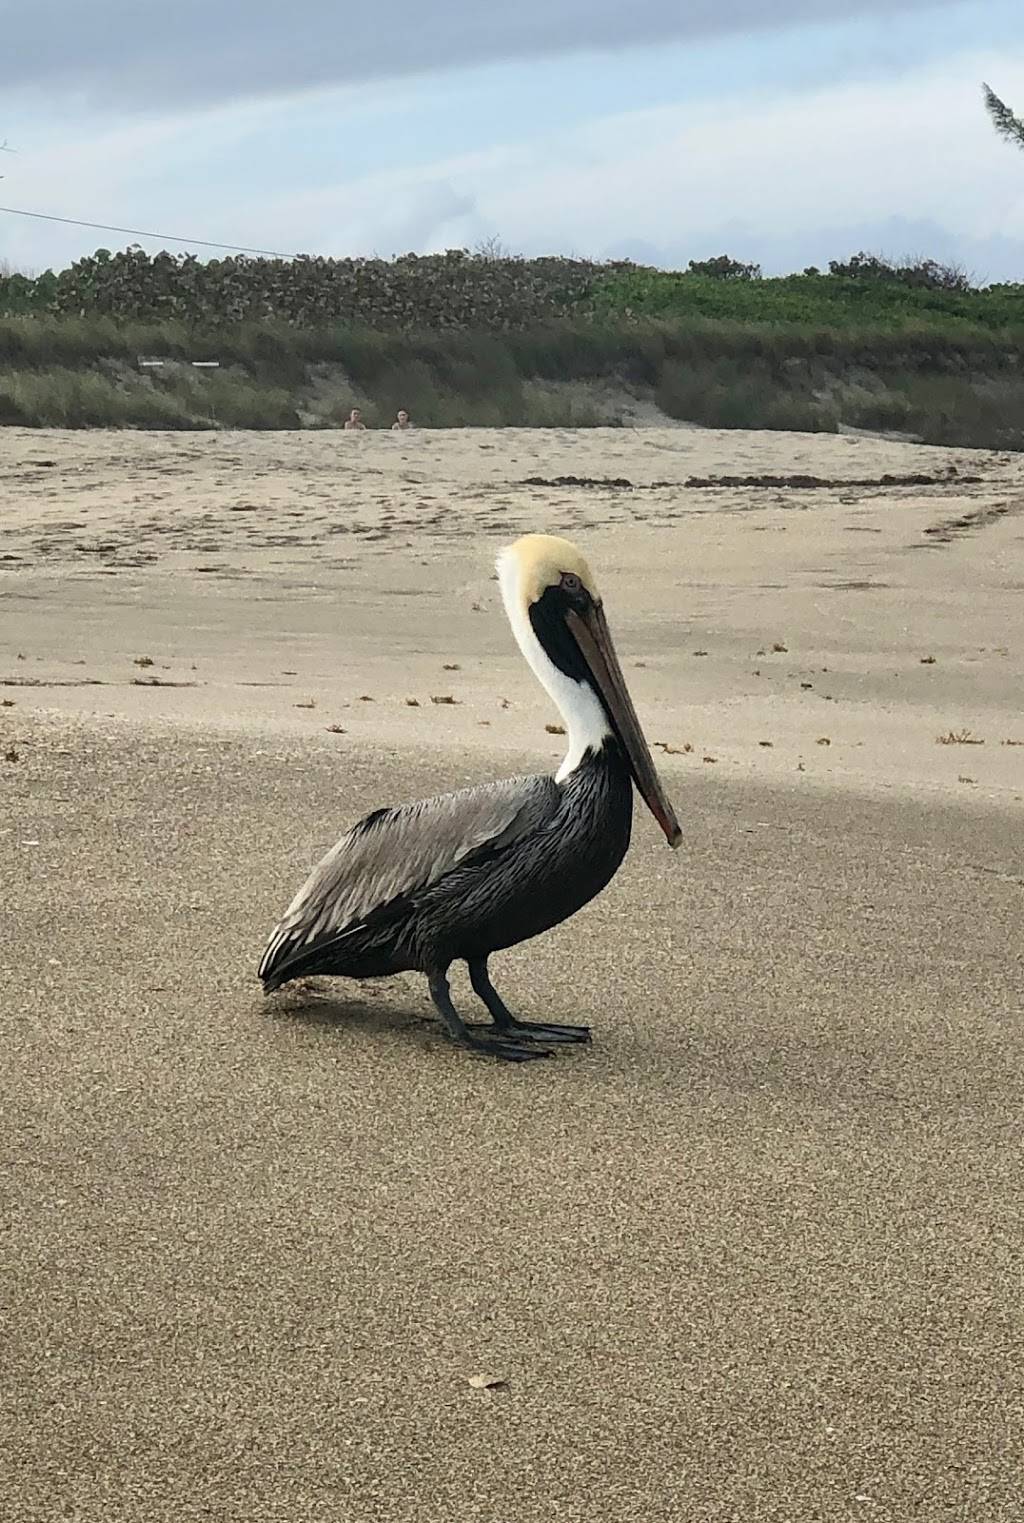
x=594 y=639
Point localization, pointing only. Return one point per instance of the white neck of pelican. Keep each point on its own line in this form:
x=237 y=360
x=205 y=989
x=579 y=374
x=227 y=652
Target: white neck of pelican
x=585 y=720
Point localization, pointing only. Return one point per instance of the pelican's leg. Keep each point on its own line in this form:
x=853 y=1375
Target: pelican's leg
x=505 y=1021
x=493 y=1046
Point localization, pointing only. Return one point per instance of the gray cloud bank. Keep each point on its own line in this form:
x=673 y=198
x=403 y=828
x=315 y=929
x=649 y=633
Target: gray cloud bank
x=132 y=55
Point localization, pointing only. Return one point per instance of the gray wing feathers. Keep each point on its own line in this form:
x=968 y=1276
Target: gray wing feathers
x=394 y=852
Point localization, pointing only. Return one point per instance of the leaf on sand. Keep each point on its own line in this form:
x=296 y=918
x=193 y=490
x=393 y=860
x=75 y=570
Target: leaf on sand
x=959 y=738
x=143 y=661
x=442 y=698
x=159 y=682
x=488 y=1382
x=555 y=729
x=413 y=703
x=336 y=729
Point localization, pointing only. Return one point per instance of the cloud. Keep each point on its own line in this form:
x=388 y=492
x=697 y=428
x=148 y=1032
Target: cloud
x=907 y=165
x=146 y=56
x=986 y=258
x=382 y=219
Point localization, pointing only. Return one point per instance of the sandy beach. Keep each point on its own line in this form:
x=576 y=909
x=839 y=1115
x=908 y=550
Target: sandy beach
x=756 y=1254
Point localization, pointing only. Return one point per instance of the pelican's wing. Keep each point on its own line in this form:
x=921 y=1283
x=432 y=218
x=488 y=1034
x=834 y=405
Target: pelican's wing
x=392 y=853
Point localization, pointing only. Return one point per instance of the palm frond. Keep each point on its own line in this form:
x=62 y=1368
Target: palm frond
x=1004 y=121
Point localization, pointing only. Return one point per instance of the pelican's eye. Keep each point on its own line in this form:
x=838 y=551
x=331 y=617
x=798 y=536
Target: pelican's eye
x=574 y=591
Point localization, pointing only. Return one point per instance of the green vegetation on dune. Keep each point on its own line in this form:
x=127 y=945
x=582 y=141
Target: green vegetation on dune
x=840 y=302
x=62 y=398
x=478 y=293
x=464 y=340
x=438 y=292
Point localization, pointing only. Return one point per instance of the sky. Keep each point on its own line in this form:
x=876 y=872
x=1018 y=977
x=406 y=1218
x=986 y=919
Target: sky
x=786 y=132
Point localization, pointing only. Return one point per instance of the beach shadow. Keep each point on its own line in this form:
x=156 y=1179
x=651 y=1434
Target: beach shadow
x=397 y=1012
x=838 y=1069
x=372 y=1011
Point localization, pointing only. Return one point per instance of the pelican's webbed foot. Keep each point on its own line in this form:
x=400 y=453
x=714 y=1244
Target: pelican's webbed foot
x=506 y=1022
x=491 y=1046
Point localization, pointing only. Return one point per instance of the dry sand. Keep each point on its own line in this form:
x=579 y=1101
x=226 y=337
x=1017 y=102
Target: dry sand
x=757 y=1254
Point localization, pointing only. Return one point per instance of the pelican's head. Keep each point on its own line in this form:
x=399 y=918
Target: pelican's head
x=541 y=561
x=557 y=615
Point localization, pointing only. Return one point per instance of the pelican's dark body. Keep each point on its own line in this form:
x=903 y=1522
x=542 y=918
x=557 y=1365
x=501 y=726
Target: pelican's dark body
x=565 y=844
x=457 y=877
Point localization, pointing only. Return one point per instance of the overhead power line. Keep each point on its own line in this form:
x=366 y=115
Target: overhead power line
x=135 y=232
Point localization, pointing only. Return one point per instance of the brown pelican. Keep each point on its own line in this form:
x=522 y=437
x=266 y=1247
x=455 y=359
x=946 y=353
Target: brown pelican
x=457 y=877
